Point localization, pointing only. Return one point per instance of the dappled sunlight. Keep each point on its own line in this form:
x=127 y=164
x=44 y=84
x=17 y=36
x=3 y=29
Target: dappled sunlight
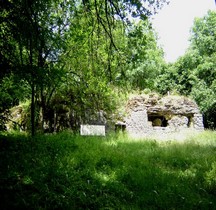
x=210 y=176
x=179 y=173
x=115 y=172
x=106 y=177
x=202 y=138
x=188 y=173
x=111 y=143
x=181 y=136
x=93 y=117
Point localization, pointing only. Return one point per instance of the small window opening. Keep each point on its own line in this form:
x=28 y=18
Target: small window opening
x=157 y=120
x=190 y=121
x=120 y=126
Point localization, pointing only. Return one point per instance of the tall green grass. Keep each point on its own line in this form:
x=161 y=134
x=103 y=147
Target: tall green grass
x=67 y=171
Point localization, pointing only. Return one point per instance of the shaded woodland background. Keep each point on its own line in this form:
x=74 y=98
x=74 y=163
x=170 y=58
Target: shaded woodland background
x=63 y=62
x=80 y=57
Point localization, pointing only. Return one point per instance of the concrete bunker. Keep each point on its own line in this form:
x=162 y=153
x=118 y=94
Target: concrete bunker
x=152 y=114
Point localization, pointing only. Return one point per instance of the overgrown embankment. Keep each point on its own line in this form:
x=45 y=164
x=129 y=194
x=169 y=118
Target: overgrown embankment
x=66 y=171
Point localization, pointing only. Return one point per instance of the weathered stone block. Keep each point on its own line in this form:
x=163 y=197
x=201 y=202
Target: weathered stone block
x=198 y=122
x=137 y=121
x=92 y=130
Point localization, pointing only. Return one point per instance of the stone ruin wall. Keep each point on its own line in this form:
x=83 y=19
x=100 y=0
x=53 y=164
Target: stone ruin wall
x=137 y=122
x=150 y=117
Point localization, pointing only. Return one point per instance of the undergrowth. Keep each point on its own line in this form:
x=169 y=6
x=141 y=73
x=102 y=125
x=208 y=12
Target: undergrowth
x=67 y=171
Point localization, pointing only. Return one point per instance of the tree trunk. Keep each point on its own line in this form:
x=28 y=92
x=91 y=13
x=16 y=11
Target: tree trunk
x=33 y=110
x=32 y=88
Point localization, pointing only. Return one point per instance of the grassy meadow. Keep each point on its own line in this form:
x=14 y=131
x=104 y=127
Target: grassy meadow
x=67 y=171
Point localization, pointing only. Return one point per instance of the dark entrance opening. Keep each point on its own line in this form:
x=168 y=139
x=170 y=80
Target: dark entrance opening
x=190 y=121
x=120 y=126
x=157 y=120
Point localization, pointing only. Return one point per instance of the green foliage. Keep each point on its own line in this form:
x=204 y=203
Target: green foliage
x=11 y=93
x=180 y=75
x=145 y=58
x=67 y=171
x=33 y=49
x=211 y=176
x=80 y=42
x=203 y=34
x=203 y=42
x=194 y=73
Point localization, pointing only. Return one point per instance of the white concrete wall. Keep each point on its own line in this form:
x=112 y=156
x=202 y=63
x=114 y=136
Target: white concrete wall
x=92 y=130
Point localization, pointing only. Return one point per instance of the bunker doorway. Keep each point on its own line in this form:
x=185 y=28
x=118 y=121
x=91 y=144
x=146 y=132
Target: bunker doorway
x=157 y=120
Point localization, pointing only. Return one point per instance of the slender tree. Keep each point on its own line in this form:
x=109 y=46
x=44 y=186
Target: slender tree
x=38 y=33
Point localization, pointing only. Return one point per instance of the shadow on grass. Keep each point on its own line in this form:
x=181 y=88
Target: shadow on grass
x=66 y=171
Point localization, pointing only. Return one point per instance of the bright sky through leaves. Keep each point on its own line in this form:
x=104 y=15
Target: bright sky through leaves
x=173 y=24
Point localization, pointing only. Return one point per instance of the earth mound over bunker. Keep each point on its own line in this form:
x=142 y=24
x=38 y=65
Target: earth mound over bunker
x=151 y=114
